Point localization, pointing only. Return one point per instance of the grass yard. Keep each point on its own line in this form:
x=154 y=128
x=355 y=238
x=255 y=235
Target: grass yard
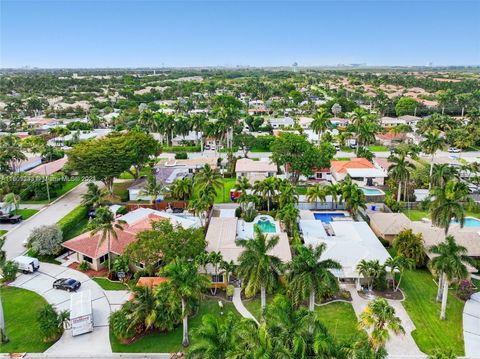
x=301 y=190
x=417 y=215
x=172 y=341
x=46 y=259
x=223 y=195
x=377 y=148
x=79 y=228
x=26 y=212
x=2 y=232
x=341 y=321
x=254 y=306
x=20 y=307
x=431 y=332
x=109 y=285
x=68 y=186
x=477 y=283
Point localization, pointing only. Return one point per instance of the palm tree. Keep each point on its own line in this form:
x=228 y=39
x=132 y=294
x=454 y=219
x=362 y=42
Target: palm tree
x=152 y=188
x=104 y=223
x=370 y=270
x=242 y=184
x=316 y=194
x=188 y=285
x=400 y=171
x=449 y=203
x=335 y=191
x=148 y=121
x=215 y=259
x=321 y=122
x=266 y=189
x=182 y=188
x=93 y=196
x=288 y=215
x=353 y=197
x=432 y=143
x=410 y=245
x=399 y=264
x=442 y=173
x=214 y=339
x=287 y=193
x=144 y=308
x=449 y=261
x=208 y=178
x=380 y=318
x=258 y=269
x=309 y=276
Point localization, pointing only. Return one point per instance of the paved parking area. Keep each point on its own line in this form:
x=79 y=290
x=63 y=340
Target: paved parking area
x=98 y=341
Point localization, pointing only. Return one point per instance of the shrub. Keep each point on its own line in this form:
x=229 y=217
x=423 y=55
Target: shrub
x=50 y=322
x=392 y=204
x=249 y=214
x=68 y=222
x=120 y=324
x=120 y=264
x=122 y=210
x=84 y=266
x=46 y=240
x=181 y=155
x=9 y=271
x=230 y=290
x=465 y=289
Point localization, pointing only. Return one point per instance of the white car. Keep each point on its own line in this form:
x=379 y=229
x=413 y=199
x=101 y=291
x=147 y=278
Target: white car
x=454 y=150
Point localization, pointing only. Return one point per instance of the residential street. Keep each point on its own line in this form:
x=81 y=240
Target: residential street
x=51 y=214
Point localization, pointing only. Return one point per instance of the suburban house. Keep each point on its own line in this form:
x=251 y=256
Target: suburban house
x=49 y=168
x=80 y=135
x=225 y=229
x=167 y=171
x=255 y=170
x=191 y=137
x=348 y=242
x=281 y=122
x=305 y=122
x=388 y=225
x=390 y=139
x=90 y=248
x=360 y=170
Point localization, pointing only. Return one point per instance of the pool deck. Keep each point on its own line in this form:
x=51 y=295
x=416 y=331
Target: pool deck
x=307 y=214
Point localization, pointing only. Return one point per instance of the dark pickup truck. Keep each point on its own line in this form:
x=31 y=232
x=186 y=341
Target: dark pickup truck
x=14 y=218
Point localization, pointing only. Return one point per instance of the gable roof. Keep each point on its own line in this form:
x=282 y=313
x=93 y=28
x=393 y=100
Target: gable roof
x=248 y=165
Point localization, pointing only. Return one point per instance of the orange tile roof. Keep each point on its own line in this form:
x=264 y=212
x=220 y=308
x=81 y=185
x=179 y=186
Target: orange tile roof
x=342 y=166
x=151 y=281
x=92 y=246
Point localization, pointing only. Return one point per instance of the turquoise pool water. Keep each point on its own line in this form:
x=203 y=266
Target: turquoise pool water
x=372 y=191
x=266 y=226
x=469 y=222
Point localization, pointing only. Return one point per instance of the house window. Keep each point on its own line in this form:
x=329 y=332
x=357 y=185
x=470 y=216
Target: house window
x=103 y=258
x=87 y=259
x=217 y=278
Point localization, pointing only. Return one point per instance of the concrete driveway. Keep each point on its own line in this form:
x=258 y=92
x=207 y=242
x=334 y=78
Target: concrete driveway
x=98 y=341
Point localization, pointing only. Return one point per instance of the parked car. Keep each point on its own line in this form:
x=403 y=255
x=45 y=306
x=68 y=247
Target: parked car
x=68 y=284
x=454 y=150
x=27 y=264
x=10 y=218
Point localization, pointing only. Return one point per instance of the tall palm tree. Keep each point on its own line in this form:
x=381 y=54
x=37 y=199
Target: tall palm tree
x=152 y=188
x=258 y=269
x=432 y=143
x=399 y=264
x=215 y=259
x=242 y=184
x=442 y=173
x=399 y=170
x=334 y=190
x=104 y=223
x=266 y=189
x=380 y=318
x=321 y=122
x=316 y=193
x=287 y=193
x=449 y=203
x=309 y=276
x=148 y=121
x=370 y=269
x=182 y=188
x=207 y=178
x=288 y=215
x=93 y=196
x=214 y=339
x=353 y=197
x=188 y=285
x=449 y=262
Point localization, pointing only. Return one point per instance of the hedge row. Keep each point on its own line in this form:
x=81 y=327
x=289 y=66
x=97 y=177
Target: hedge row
x=71 y=219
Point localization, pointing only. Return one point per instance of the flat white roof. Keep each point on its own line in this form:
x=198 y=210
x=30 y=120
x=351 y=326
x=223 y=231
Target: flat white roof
x=140 y=213
x=366 y=172
x=352 y=242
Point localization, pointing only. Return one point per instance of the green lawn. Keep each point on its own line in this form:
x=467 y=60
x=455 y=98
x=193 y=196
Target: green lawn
x=20 y=307
x=68 y=186
x=376 y=148
x=26 y=212
x=477 y=283
x=109 y=285
x=254 y=307
x=172 y=341
x=431 y=332
x=341 y=321
x=223 y=195
x=301 y=190
x=46 y=259
x=79 y=228
x=2 y=232
x=346 y=149
x=120 y=189
x=417 y=215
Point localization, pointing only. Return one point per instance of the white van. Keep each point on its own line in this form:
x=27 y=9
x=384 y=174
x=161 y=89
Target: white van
x=27 y=264
x=81 y=314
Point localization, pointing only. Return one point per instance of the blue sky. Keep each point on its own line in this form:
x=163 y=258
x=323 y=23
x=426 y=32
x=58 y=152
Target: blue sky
x=128 y=33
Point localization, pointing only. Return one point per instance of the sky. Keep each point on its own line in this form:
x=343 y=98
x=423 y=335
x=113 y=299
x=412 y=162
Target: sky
x=127 y=33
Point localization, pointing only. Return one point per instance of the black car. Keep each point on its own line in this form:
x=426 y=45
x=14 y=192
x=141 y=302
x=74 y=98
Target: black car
x=68 y=284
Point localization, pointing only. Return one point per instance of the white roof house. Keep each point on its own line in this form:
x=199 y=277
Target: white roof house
x=255 y=170
x=141 y=213
x=351 y=242
x=281 y=122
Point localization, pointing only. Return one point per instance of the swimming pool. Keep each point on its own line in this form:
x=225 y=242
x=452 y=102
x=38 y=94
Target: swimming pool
x=369 y=191
x=469 y=222
x=327 y=217
x=266 y=226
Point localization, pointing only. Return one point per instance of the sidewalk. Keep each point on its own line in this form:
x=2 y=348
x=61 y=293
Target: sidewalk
x=237 y=302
